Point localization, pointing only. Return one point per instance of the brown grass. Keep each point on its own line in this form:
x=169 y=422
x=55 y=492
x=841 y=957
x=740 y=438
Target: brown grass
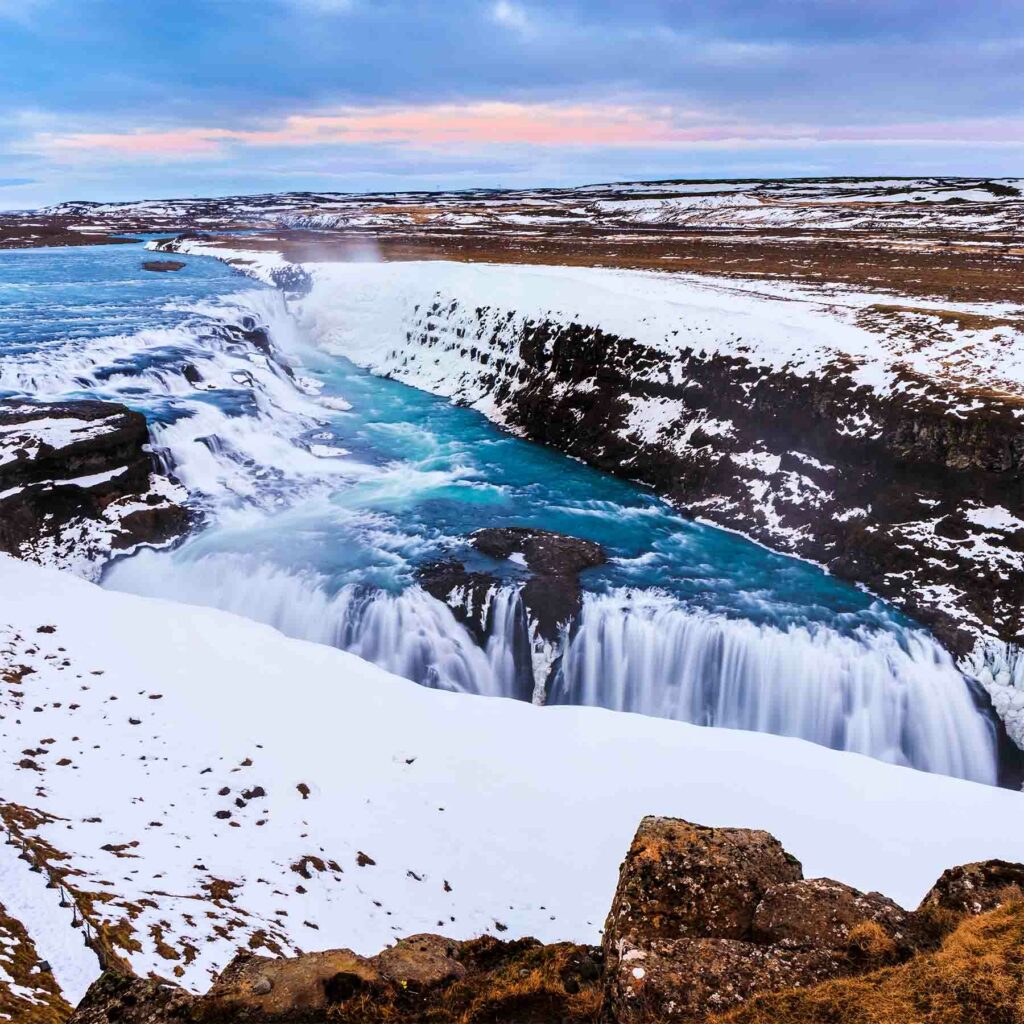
x=518 y=982
x=976 y=976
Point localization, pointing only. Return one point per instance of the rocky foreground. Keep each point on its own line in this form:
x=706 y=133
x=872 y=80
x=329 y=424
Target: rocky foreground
x=706 y=925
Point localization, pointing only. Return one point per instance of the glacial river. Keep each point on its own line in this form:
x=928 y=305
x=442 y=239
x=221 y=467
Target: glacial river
x=323 y=488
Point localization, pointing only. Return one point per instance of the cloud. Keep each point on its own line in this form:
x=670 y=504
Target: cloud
x=511 y=15
x=470 y=127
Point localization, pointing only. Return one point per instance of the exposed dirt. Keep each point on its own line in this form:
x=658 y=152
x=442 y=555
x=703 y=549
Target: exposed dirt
x=963 y=270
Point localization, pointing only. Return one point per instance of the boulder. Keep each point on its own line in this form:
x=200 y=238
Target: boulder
x=974 y=888
x=421 y=962
x=819 y=913
x=255 y=987
x=681 y=880
x=163 y=266
x=552 y=595
x=121 y=997
x=705 y=918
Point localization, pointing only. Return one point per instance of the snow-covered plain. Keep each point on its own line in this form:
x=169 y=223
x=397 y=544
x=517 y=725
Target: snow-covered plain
x=213 y=784
x=921 y=204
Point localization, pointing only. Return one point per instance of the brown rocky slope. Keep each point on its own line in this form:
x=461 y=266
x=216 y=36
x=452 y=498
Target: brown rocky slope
x=706 y=925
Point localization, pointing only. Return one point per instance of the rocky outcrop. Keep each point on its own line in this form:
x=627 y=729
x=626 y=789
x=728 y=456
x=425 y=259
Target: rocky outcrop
x=552 y=594
x=707 y=924
x=77 y=484
x=163 y=266
x=974 y=888
x=424 y=977
x=543 y=568
x=704 y=919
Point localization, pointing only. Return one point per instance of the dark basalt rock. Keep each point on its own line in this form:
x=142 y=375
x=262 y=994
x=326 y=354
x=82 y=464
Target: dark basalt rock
x=64 y=464
x=550 y=597
x=546 y=553
x=975 y=888
x=163 y=266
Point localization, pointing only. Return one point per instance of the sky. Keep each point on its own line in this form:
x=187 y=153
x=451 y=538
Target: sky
x=120 y=99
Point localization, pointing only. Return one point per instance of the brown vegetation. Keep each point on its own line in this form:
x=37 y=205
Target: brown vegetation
x=976 y=976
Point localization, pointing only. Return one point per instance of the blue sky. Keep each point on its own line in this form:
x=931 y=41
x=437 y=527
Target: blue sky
x=110 y=99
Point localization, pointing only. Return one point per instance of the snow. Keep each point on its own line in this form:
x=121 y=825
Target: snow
x=30 y=435
x=525 y=811
x=25 y=896
x=361 y=308
x=995 y=518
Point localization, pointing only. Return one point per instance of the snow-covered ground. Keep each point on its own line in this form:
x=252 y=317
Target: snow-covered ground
x=212 y=784
x=363 y=307
x=972 y=204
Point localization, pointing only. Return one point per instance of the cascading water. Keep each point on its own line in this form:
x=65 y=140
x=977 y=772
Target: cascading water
x=325 y=488
x=895 y=695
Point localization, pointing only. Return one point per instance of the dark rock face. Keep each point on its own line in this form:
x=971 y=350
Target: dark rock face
x=552 y=595
x=163 y=266
x=549 y=598
x=76 y=483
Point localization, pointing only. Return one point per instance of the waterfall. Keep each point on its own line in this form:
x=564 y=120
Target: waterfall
x=291 y=479
x=892 y=694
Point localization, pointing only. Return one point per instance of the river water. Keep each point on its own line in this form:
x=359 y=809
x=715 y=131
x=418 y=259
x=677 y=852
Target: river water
x=323 y=488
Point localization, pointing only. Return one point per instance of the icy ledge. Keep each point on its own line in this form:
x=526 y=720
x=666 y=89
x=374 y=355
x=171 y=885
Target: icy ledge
x=999 y=667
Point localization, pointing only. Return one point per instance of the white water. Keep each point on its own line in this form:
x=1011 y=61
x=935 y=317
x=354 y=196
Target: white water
x=896 y=696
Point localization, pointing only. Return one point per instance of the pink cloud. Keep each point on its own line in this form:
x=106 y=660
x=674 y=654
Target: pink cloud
x=475 y=124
